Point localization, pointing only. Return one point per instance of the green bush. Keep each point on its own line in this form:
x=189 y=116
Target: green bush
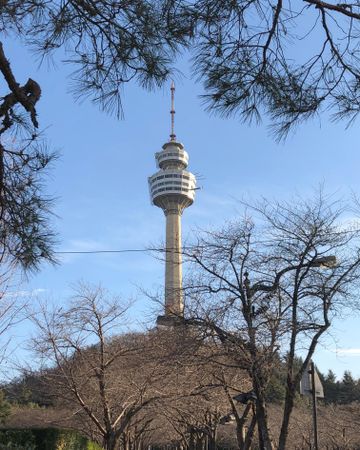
x=44 y=439
x=17 y=439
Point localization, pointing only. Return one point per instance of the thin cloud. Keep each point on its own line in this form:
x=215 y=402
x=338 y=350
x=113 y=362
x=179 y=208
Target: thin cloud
x=78 y=245
x=84 y=245
x=348 y=351
x=349 y=224
x=22 y=294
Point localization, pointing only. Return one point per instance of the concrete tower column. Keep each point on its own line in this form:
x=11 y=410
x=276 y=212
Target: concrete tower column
x=174 y=304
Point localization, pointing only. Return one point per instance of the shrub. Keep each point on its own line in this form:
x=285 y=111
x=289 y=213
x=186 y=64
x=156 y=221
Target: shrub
x=44 y=439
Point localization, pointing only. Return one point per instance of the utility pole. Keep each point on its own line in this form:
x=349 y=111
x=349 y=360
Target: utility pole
x=310 y=385
x=314 y=404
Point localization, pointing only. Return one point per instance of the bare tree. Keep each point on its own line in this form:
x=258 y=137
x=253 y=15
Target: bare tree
x=206 y=379
x=338 y=426
x=122 y=388
x=104 y=378
x=267 y=287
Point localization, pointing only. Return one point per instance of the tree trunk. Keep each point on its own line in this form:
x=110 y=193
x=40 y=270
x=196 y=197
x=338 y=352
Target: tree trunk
x=263 y=429
x=250 y=434
x=192 y=440
x=111 y=441
x=212 y=440
x=240 y=426
x=288 y=407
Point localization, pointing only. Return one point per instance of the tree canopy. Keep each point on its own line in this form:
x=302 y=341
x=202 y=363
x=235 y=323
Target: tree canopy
x=284 y=60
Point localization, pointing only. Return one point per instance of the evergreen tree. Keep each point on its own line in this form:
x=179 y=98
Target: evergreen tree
x=331 y=387
x=348 y=389
x=26 y=236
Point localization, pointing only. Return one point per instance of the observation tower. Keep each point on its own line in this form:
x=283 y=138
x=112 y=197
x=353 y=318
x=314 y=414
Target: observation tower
x=172 y=189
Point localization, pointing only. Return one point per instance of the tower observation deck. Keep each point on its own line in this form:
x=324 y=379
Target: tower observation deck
x=172 y=189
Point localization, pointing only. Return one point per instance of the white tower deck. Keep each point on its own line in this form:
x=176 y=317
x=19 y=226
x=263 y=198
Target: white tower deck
x=172 y=189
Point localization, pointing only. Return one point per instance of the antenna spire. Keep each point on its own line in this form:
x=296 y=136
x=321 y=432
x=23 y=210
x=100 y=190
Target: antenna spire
x=172 y=112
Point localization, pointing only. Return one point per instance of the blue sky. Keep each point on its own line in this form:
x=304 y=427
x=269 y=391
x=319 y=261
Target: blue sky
x=100 y=182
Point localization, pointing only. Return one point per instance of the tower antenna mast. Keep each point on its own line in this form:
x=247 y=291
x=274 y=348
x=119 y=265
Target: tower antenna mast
x=172 y=112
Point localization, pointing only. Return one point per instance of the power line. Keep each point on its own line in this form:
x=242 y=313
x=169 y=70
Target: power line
x=128 y=250
x=144 y=250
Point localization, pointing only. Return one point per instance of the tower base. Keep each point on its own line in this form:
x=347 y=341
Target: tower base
x=169 y=321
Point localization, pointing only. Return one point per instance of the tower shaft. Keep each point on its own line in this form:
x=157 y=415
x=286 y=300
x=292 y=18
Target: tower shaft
x=174 y=305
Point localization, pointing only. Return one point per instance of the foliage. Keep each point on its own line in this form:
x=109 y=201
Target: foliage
x=29 y=389
x=286 y=60
x=349 y=390
x=26 y=237
x=275 y=389
x=240 y=51
x=107 y=43
x=4 y=408
x=45 y=439
x=344 y=392
x=17 y=439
